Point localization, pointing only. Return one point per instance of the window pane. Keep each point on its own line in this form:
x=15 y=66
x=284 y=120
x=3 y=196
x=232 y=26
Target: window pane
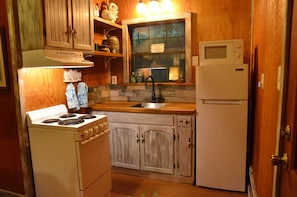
x=140 y=39
x=165 y=65
x=157 y=31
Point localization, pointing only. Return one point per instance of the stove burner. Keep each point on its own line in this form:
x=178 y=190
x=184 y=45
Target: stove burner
x=69 y=115
x=72 y=121
x=87 y=116
x=51 y=120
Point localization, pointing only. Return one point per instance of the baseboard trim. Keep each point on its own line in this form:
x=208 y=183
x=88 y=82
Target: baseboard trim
x=5 y=193
x=252 y=187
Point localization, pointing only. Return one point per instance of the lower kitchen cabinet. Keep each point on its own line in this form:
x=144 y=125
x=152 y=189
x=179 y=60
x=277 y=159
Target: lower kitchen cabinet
x=156 y=143
x=185 y=145
x=124 y=142
x=156 y=148
x=142 y=147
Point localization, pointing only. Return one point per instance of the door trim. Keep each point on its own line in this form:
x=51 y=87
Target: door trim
x=282 y=91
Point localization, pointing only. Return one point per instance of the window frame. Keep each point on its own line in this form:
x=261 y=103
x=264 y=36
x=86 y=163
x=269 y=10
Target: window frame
x=127 y=50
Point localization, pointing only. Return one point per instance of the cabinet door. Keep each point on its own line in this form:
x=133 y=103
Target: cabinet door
x=156 y=148
x=124 y=145
x=185 y=151
x=58 y=17
x=83 y=29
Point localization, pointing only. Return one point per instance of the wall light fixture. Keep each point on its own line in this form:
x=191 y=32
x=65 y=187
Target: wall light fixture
x=154 y=7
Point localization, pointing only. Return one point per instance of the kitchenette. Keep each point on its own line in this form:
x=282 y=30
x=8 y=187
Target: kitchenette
x=87 y=115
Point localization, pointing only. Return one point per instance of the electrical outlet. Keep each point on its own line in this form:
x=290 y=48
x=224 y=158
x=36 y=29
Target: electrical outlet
x=114 y=80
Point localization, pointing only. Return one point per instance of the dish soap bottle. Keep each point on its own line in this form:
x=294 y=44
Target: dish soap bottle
x=133 y=78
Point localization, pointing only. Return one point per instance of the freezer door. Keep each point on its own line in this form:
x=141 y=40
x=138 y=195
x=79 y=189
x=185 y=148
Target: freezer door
x=221 y=144
x=222 y=82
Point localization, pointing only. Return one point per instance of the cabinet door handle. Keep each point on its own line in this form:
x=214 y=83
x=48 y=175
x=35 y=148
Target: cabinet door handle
x=69 y=31
x=137 y=139
x=74 y=32
x=142 y=138
x=184 y=121
x=189 y=144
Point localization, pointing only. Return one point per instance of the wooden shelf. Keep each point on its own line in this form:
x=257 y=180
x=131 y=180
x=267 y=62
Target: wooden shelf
x=104 y=54
x=106 y=24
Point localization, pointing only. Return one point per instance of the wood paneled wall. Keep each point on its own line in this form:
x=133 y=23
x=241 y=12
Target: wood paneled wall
x=216 y=20
x=269 y=21
x=11 y=175
x=42 y=87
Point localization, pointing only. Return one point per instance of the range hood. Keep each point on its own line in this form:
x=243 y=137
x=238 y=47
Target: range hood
x=55 y=59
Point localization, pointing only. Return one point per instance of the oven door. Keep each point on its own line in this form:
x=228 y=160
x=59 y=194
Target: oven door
x=94 y=164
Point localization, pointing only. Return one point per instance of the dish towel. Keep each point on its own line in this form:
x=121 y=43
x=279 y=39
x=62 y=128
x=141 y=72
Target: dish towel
x=71 y=97
x=82 y=93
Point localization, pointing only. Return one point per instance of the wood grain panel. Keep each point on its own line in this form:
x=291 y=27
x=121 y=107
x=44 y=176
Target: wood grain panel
x=216 y=20
x=156 y=148
x=268 y=43
x=58 y=20
x=124 y=145
x=11 y=170
x=125 y=185
x=82 y=18
x=43 y=87
x=31 y=24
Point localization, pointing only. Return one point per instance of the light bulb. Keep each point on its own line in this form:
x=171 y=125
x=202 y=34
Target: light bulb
x=166 y=6
x=154 y=7
x=141 y=8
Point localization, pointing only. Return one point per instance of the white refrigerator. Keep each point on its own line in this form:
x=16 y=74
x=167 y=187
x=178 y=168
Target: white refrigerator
x=221 y=126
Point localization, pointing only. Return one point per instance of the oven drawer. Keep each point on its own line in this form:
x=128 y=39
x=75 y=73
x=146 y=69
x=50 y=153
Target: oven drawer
x=103 y=184
x=93 y=159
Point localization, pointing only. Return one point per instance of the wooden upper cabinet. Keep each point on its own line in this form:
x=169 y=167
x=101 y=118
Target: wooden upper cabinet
x=69 y=24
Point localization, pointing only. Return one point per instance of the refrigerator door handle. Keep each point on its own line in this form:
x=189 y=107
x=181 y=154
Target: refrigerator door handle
x=221 y=102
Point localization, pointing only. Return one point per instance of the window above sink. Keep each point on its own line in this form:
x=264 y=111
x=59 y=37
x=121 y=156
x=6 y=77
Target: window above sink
x=158 y=46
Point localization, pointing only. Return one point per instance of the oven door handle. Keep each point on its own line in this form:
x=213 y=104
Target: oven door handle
x=94 y=137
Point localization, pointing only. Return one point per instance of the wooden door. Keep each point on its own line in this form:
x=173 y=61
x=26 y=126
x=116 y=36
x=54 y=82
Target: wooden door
x=58 y=19
x=83 y=30
x=288 y=176
x=156 y=148
x=124 y=145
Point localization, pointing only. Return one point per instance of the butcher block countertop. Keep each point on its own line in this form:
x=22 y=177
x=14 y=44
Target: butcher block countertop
x=168 y=108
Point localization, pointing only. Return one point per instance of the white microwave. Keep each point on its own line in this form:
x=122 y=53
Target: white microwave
x=221 y=52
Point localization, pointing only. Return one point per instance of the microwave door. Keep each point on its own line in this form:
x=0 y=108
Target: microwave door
x=221 y=52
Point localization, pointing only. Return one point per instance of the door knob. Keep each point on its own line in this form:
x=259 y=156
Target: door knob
x=279 y=160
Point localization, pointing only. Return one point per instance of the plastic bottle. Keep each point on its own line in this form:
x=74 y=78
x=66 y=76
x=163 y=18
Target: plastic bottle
x=133 y=78
x=96 y=10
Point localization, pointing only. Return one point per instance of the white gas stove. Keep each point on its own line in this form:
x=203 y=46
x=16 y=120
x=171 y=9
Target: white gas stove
x=70 y=153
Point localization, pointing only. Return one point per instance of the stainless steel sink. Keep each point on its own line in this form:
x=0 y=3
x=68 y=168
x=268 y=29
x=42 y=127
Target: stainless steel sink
x=149 y=105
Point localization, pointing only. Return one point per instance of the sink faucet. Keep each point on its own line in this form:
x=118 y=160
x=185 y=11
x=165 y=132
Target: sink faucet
x=153 y=91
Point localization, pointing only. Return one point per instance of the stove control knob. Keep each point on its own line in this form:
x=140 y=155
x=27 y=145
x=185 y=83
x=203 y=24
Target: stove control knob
x=85 y=133
x=91 y=132
x=96 y=129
